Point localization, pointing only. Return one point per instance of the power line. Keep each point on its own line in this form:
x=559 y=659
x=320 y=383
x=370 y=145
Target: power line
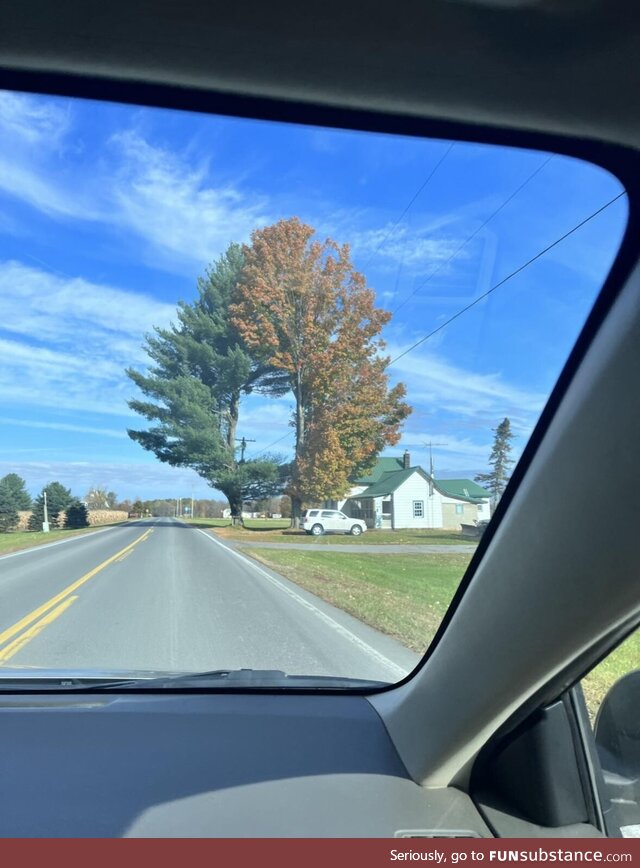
x=474 y=233
x=413 y=199
x=507 y=278
x=275 y=443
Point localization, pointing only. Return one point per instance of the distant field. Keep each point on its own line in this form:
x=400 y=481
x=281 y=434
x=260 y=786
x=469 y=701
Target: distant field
x=371 y=537
x=260 y=524
x=266 y=524
x=208 y=522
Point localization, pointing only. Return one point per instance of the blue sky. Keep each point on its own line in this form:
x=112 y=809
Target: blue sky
x=109 y=213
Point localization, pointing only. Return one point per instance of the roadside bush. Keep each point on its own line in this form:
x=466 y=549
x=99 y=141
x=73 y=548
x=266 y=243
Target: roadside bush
x=58 y=498
x=76 y=515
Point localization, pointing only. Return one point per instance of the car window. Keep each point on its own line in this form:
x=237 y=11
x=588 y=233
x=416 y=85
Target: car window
x=212 y=327
x=612 y=693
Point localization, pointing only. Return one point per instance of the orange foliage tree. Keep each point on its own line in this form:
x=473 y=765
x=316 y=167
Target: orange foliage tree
x=303 y=308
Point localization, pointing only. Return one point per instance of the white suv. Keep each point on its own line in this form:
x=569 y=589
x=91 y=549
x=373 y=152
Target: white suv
x=319 y=521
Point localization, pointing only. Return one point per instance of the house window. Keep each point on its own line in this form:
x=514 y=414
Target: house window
x=418 y=508
x=386 y=507
x=459 y=509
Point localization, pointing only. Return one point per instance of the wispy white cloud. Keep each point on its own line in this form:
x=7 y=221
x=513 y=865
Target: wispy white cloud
x=449 y=445
x=467 y=404
x=433 y=381
x=68 y=340
x=128 y=480
x=415 y=249
x=25 y=182
x=166 y=198
x=31 y=119
x=32 y=132
x=172 y=203
x=64 y=426
x=46 y=306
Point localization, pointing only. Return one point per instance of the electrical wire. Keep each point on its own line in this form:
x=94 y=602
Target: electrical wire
x=275 y=443
x=504 y=280
x=474 y=233
x=413 y=199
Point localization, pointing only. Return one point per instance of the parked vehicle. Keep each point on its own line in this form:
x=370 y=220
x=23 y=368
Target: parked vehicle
x=320 y=521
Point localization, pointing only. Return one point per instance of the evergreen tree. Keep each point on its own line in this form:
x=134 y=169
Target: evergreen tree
x=17 y=485
x=76 y=515
x=8 y=510
x=201 y=369
x=496 y=480
x=58 y=498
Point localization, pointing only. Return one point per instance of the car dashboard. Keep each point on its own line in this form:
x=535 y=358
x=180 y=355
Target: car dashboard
x=213 y=765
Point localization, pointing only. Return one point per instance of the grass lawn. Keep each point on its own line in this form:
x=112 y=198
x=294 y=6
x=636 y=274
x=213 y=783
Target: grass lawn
x=371 y=537
x=208 y=522
x=406 y=597
x=251 y=524
x=624 y=659
x=16 y=540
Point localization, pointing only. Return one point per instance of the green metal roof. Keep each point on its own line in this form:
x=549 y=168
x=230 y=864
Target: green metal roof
x=463 y=488
x=389 y=473
x=388 y=483
x=391 y=480
x=383 y=465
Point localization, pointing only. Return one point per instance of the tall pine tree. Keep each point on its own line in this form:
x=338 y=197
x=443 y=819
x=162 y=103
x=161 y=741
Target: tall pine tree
x=17 y=486
x=496 y=480
x=8 y=509
x=58 y=498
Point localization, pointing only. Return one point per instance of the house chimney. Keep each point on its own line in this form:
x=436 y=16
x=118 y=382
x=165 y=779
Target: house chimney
x=406 y=460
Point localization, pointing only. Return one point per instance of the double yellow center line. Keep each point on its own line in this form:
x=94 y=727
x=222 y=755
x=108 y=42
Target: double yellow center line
x=27 y=628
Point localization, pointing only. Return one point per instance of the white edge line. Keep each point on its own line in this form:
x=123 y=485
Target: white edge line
x=42 y=546
x=343 y=631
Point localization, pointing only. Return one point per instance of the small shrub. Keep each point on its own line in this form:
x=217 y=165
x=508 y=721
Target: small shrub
x=76 y=515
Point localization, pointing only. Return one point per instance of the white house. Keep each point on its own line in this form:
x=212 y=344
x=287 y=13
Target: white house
x=396 y=496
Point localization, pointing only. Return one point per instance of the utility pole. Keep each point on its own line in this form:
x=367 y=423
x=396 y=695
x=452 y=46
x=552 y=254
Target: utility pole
x=243 y=445
x=430 y=445
x=45 y=523
x=192 y=505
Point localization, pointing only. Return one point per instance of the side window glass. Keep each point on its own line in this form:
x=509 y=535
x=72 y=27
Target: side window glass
x=612 y=694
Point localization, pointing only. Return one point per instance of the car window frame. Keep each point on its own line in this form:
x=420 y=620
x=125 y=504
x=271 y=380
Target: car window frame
x=621 y=161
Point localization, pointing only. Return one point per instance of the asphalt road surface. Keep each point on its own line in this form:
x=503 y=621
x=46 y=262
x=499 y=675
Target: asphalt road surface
x=159 y=595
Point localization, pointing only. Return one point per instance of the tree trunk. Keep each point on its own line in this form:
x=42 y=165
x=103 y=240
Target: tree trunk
x=235 y=504
x=234 y=409
x=296 y=500
x=296 y=511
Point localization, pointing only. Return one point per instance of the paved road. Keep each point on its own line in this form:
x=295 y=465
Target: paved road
x=362 y=548
x=160 y=595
